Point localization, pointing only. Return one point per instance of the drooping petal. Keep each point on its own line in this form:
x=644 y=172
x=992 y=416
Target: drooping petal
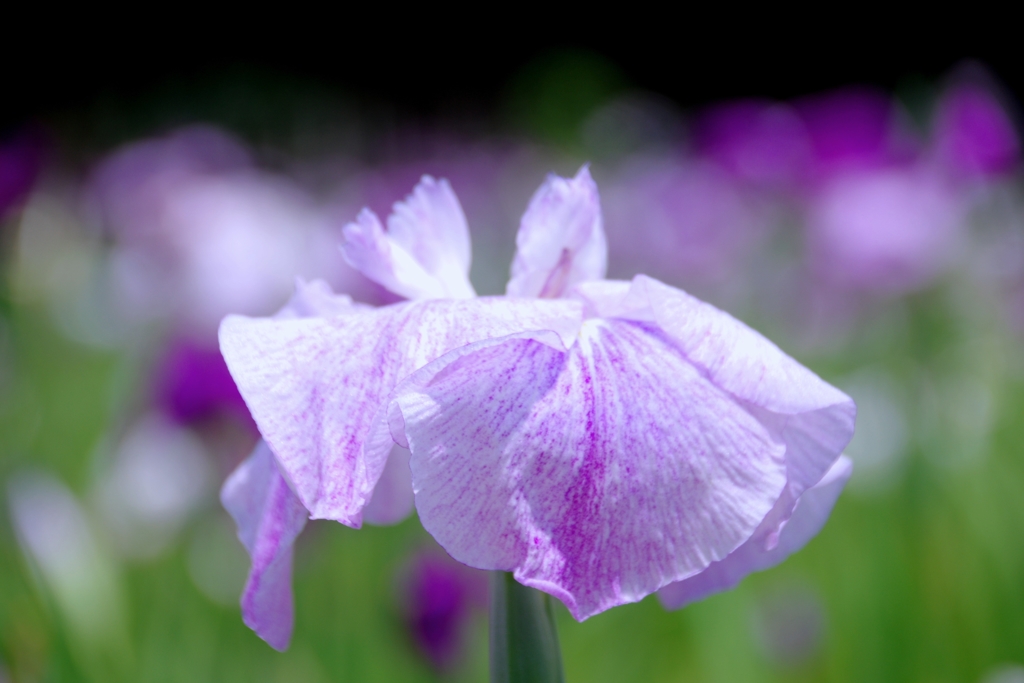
x=317 y=386
x=597 y=474
x=269 y=518
x=561 y=240
x=425 y=252
x=812 y=510
x=815 y=419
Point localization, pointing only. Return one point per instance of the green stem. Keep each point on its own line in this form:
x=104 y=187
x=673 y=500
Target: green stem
x=524 y=641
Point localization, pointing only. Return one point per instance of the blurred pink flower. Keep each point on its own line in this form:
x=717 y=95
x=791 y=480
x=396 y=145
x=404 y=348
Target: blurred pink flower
x=886 y=231
x=687 y=223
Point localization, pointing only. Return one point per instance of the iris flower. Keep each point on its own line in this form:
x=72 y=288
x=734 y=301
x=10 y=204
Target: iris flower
x=665 y=445
x=600 y=439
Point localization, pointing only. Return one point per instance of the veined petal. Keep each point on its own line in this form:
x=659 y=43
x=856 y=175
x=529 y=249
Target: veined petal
x=269 y=517
x=561 y=240
x=371 y=251
x=597 y=474
x=425 y=253
x=816 y=420
x=316 y=386
x=812 y=510
x=431 y=226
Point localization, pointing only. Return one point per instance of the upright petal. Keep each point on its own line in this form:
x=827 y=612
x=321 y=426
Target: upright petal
x=269 y=518
x=812 y=510
x=371 y=251
x=316 y=386
x=561 y=240
x=597 y=474
x=425 y=252
x=431 y=226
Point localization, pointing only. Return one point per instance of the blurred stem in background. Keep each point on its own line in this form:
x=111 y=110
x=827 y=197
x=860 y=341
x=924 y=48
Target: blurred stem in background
x=524 y=640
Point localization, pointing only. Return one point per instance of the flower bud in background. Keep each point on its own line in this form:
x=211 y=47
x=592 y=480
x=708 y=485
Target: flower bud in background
x=439 y=596
x=193 y=385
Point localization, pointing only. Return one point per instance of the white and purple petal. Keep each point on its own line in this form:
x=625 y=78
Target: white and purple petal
x=816 y=420
x=371 y=251
x=269 y=518
x=561 y=240
x=431 y=226
x=757 y=554
x=598 y=474
x=318 y=387
x=425 y=252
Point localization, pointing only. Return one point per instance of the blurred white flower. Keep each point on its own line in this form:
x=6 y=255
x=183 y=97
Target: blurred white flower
x=159 y=476
x=879 y=446
x=200 y=233
x=56 y=537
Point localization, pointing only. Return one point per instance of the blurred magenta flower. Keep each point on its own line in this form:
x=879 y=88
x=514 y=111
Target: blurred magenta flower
x=21 y=158
x=318 y=375
x=661 y=438
x=759 y=141
x=438 y=596
x=781 y=146
x=193 y=384
x=973 y=132
x=853 y=129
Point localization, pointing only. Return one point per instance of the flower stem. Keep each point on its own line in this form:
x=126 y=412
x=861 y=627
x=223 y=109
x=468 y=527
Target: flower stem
x=524 y=641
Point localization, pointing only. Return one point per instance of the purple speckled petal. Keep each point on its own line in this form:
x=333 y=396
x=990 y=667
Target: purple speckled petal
x=597 y=474
x=269 y=517
x=318 y=387
x=561 y=240
x=812 y=510
x=424 y=254
x=815 y=419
